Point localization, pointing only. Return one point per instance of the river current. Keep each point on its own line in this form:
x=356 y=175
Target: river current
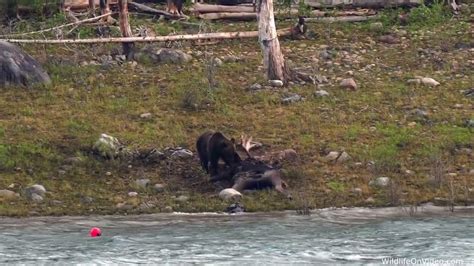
x=428 y=235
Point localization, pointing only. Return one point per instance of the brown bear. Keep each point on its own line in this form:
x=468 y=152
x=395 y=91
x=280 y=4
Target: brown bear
x=211 y=147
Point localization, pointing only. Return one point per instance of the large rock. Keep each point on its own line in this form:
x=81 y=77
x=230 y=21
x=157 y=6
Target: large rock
x=35 y=189
x=230 y=194
x=18 y=68
x=7 y=194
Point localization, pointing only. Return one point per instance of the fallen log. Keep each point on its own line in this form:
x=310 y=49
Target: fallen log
x=315 y=13
x=226 y=15
x=361 y=3
x=184 y=37
x=149 y=10
x=83 y=4
x=342 y=19
x=58 y=27
x=207 y=8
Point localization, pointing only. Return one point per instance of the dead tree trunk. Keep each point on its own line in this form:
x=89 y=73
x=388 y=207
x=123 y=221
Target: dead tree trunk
x=105 y=9
x=125 y=28
x=92 y=7
x=273 y=61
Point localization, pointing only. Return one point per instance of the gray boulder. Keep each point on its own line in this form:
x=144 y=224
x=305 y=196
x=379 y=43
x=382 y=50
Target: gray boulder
x=18 y=68
x=164 y=55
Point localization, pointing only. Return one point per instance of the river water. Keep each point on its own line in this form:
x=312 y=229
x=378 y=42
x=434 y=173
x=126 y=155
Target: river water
x=328 y=236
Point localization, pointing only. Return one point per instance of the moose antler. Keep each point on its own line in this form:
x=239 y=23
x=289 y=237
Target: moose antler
x=247 y=144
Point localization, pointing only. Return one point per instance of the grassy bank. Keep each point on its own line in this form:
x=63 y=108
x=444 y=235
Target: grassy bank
x=426 y=154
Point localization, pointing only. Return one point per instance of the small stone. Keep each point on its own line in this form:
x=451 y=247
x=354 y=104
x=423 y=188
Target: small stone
x=217 y=61
x=255 y=87
x=332 y=156
x=56 y=202
x=376 y=26
x=231 y=58
x=108 y=173
x=438 y=201
x=8 y=194
x=389 y=39
x=409 y=172
x=292 y=99
x=142 y=183
x=168 y=209
x=343 y=157
x=182 y=153
x=159 y=188
x=182 y=198
x=132 y=194
x=275 y=83
x=370 y=200
x=321 y=93
x=350 y=73
x=73 y=160
x=123 y=206
x=348 y=84
x=287 y=155
x=235 y=208
x=452 y=174
x=357 y=191
x=87 y=200
x=325 y=55
x=380 y=182
x=36 y=198
x=230 y=194
x=145 y=115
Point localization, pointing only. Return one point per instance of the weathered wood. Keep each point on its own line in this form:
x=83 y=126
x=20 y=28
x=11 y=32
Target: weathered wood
x=225 y=15
x=125 y=28
x=341 y=19
x=83 y=4
x=207 y=8
x=273 y=61
x=361 y=3
x=314 y=13
x=184 y=37
x=149 y=10
x=92 y=6
x=56 y=28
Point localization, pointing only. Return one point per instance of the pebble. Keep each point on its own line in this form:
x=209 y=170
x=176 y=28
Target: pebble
x=255 y=87
x=142 y=183
x=145 y=115
x=182 y=198
x=159 y=188
x=132 y=194
x=380 y=182
x=321 y=93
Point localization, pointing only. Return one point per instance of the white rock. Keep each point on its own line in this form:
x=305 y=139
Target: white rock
x=159 y=188
x=230 y=194
x=132 y=194
x=349 y=84
x=425 y=81
x=145 y=115
x=331 y=156
x=380 y=182
x=36 y=189
x=321 y=93
x=343 y=157
x=107 y=146
x=276 y=83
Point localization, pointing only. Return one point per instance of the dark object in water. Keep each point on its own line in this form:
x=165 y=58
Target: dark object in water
x=18 y=68
x=235 y=208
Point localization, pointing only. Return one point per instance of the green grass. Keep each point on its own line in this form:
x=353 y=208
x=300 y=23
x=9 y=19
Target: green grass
x=41 y=127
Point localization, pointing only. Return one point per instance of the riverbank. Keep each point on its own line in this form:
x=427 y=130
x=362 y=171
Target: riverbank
x=418 y=136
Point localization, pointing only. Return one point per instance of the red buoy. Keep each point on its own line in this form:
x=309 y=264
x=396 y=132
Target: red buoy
x=95 y=232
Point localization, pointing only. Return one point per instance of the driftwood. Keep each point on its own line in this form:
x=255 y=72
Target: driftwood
x=83 y=4
x=341 y=19
x=125 y=28
x=149 y=10
x=225 y=15
x=273 y=61
x=58 y=27
x=318 y=15
x=362 y=3
x=206 y=8
x=184 y=37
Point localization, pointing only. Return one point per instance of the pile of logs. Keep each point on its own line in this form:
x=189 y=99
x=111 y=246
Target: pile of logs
x=353 y=10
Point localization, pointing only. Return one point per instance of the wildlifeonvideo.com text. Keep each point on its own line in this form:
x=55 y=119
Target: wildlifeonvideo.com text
x=422 y=261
